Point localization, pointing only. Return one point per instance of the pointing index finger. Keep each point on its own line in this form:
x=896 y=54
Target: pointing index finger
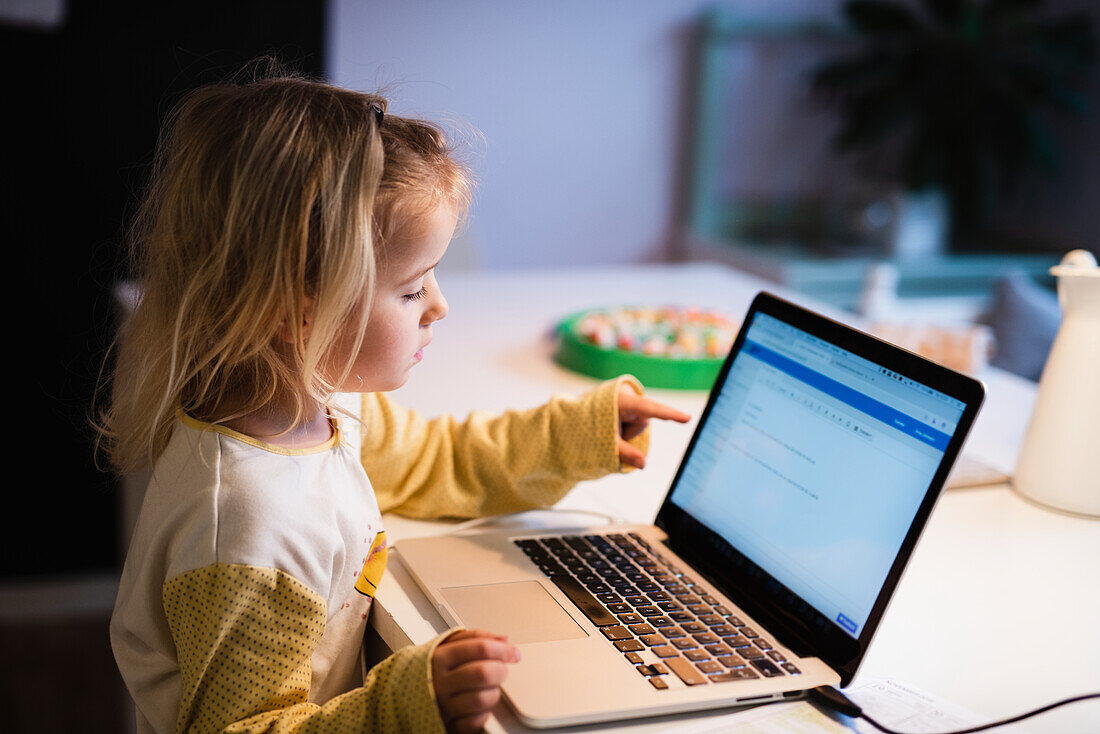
x=646 y=408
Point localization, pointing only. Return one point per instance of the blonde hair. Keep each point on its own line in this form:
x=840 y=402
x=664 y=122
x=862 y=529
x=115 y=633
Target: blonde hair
x=266 y=194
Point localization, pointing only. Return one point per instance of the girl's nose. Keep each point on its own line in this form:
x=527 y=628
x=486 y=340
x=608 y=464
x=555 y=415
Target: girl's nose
x=438 y=308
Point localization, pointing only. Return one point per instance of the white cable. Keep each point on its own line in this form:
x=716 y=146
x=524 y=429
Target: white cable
x=468 y=524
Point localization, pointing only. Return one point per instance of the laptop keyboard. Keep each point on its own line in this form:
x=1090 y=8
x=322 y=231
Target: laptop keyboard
x=658 y=617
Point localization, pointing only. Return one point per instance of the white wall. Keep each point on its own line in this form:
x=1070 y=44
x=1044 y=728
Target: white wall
x=580 y=104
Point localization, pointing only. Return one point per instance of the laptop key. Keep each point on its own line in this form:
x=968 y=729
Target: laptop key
x=767 y=667
x=619 y=608
x=710 y=620
x=685 y=671
x=630 y=645
x=736 y=641
x=634 y=658
x=665 y=651
x=693 y=627
x=790 y=668
x=696 y=655
x=709 y=666
x=653 y=640
x=642 y=629
x=777 y=656
x=723 y=630
x=673 y=632
x=683 y=643
x=631 y=618
x=658 y=683
x=732 y=661
x=706 y=638
x=616 y=632
x=587 y=603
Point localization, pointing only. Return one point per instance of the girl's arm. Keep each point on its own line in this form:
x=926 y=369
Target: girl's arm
x=489 y=465
x=244 y=639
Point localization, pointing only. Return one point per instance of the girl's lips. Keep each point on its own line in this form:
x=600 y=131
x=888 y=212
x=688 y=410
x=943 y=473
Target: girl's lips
x=419 y=355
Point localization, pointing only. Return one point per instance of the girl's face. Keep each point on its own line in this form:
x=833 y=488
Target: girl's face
x=407 y=301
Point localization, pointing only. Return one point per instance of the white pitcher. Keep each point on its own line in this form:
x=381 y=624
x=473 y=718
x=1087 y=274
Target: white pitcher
x=1059 y=462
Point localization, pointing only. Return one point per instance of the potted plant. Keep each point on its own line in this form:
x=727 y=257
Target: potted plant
x=952 y=99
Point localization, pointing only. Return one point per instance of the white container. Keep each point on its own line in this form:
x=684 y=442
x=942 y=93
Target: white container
x=1059 y=462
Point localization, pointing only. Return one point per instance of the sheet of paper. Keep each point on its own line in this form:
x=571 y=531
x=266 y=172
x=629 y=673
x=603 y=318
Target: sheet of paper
x=794 y=717
x=892 y=704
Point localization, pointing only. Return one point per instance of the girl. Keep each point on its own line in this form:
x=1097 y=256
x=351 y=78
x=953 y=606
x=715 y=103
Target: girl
x=286 y=250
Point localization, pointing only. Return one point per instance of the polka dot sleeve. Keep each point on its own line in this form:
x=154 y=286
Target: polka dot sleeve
x=244 y=639
x=488 y=465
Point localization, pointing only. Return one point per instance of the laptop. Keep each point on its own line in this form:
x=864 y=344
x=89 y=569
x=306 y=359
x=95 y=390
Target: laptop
x=797 y=504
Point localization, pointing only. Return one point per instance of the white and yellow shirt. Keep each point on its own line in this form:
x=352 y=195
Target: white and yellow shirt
x=246 y=589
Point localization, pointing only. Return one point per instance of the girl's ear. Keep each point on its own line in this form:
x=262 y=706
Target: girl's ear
x=286 y=334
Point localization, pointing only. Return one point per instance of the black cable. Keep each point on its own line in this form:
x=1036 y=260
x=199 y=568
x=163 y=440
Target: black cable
x=831 y=698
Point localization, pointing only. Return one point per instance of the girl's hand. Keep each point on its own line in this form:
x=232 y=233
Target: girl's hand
x=634 y=414
x=467 y=670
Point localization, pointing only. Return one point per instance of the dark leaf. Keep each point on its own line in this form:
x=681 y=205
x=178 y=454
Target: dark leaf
x=879 y=16
x=849 y=74
x=874 y=115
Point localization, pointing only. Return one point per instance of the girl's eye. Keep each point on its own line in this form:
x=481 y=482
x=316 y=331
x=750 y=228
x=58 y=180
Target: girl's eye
x=416 y=296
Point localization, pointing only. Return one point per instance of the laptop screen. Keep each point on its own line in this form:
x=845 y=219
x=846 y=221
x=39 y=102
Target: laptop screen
x=813 y=462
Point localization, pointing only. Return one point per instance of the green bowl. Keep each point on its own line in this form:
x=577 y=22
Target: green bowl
x=576 y=354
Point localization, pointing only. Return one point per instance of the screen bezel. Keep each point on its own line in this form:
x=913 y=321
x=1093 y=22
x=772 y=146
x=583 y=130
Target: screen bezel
x=793 y=620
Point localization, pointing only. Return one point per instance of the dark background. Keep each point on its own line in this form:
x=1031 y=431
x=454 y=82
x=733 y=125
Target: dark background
x=82 y=105
x=83 y=108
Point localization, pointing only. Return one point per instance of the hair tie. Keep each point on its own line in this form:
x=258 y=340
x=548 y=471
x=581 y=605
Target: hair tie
x=378 y=114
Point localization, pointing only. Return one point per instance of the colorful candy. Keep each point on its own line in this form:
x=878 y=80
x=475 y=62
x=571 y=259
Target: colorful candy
x=678 y=333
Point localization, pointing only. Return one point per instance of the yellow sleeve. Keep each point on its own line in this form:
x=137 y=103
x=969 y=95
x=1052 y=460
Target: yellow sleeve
x=488 y=465
x=244 y=639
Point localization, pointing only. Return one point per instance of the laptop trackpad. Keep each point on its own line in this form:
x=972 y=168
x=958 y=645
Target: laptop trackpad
x=523 y=611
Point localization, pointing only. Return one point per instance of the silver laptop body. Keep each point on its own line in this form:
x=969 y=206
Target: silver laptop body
x=768 y=568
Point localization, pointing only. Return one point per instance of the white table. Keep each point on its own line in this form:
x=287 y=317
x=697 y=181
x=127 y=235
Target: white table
x=999 y=610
